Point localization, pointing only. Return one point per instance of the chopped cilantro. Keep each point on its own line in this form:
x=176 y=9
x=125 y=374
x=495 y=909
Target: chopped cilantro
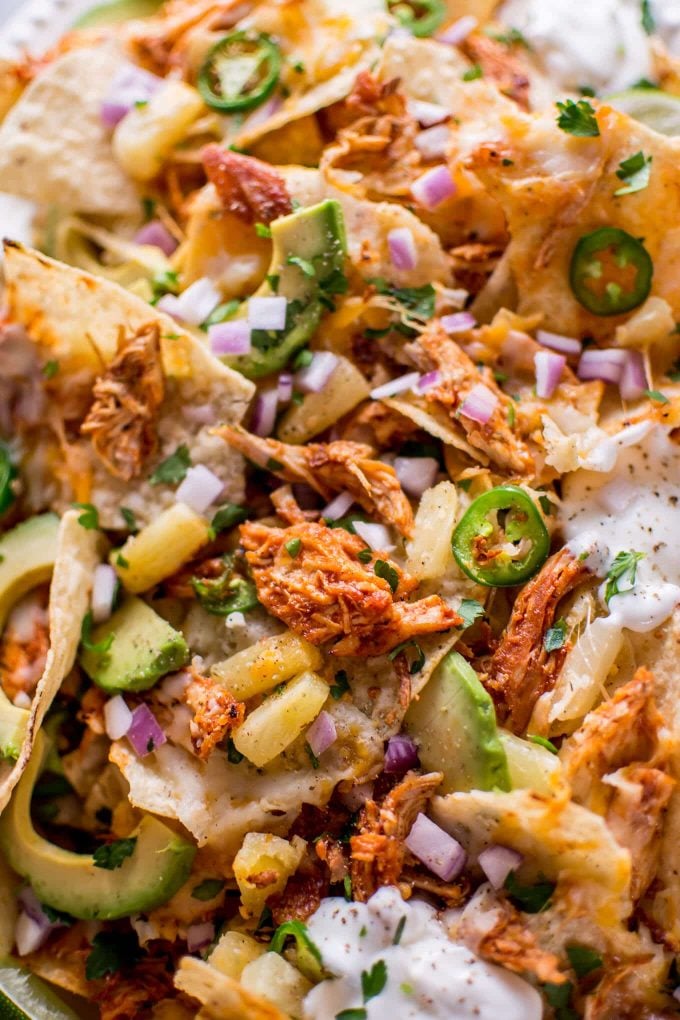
x=365 y=555
x=99 y=647
x=358 y=1013
x=312 y=757
x=298 y=66
x=406 y=988
x=577 y=119
x=341 y=685
x=227 y=516
x=583 y=959
x=555 y=636
x=121 y=561
x=304 y=265
x=559 y=997
x=385 y=570
x=657 y=396
x=374 y=980
x=293 y=547
x=273 y=281
x=173 y=469
x=164 y=282
x=111 y=855
x=262 y=230
x=208 y=889
x=622 y=570
x=111 y=951
x=647 y=18
x=50 y=368
x=130 y=519
x=347 y=887
x=233 y=756
x=303 y=359
x=473 y=73
x=224 y=311
x=587 y=90
x=148 y=207
x=399 y=931
x=532 y=899
x=470 y=610
x=634 y=172
x=417 y=302
x=535 y=738
x=419 y=661
x=511 y=415
x=547 y=505
x=274 y=465
x=89 y=519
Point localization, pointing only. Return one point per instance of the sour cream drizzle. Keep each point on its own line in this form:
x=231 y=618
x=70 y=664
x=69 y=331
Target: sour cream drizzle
x=428 y=975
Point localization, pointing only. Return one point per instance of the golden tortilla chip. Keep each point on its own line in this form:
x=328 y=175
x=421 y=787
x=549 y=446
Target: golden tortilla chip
x=222 y=997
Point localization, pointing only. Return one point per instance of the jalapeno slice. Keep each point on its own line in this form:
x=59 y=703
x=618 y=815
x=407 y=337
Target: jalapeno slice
x=611 y=271
x=421 y=17
x=240 y=72
x=501 y=539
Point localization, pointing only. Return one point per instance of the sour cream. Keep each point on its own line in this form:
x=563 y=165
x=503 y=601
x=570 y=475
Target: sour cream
x=428 y=976
x=634 y=507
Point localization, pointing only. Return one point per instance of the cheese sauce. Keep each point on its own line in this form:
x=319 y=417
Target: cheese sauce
x=427 y=975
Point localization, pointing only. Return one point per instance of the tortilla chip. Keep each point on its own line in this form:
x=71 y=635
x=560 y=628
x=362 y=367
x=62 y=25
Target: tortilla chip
x=55 y=130
x=222 y=997
x=434 y=419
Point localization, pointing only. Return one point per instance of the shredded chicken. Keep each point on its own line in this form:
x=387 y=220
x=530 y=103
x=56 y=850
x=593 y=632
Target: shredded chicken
x=246 y=187
x=130 y=993
x=473 y=263
x=330 y=468
x=378 y=851
x=127 y=399
x=23 y=650
x=629 y=992
x=521 y=669
x=216 y=713
x=288 y=508
x=376 y=423
x=500 y=65
x=325 y=593
x=511 y=945
x=453 y=893
x=301 y=897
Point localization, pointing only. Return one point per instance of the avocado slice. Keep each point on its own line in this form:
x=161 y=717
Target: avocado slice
x=159 y=865
x=144 y=648
x=454 y=723
x=13 y=723
x=315 y=238
x=117 y=11
x=27 y=555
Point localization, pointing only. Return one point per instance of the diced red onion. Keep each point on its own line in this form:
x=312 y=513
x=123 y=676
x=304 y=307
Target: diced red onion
x=437 y=850
x=32 y=906
x=130 y=85
x=403 y=253
x=199 y=936
x=267 y=312
x=549 y=369
x=433 y=143
x=157 y=234
x=199 y=489
x=557 y=342
x=416 y=474
x=145 y=734
x=230 y=337
x=377 y=536
x=634 y=380
x=602 y=363
x=199 y=414
x=394 y=386
x=401 y=755
x=264 y=413
x=194 y=304
x=104 y=587
x=314 y=376
x=29 y=934
x=433 y=187
x=117 y=717
x=479 y=404
x=322 y=733
x=285 y=387
x=458 y=322
x=426 y=113
x=458 y=31
x=428 y=380
x=22 y=699
x=338 y=507
x=497 y=862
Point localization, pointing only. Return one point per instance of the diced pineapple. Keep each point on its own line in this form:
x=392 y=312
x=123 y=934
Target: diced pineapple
x=234 y=951
x=265 y=664
x=272 y=726
x=278 y=981
x=344 y=390
x=262 y=867
x=160 y=548
x=429 y=553
x=147 y=134
x=531 y=766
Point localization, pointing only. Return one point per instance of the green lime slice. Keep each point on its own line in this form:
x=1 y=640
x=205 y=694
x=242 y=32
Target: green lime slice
x=652 y=107
x=23 y=996
x=115 y=11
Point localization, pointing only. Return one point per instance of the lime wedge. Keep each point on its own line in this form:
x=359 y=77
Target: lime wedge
x=652 y=107
x=115 y=11
x=23 y=996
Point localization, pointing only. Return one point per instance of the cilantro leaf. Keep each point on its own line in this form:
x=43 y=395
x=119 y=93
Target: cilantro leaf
x=111 y=855
x=164 y=282
x=50 y=369
x=227 y=516
x=130 y=519
x=470 y=610
x=374 y=980
x=262 y=230
x=314 y=761
x=583 y=959
x=359 y=1013
x=304 y=265
x=173 y=469
x=532 y=899
x=110 y=952
x=635 y=173
x=536 y=738
x=98 y=647
x=208 y=889
x=341 y=685
x=89 y=519
x=399 y=931
x=555 y=636
x=577 y=119
x=647 y=18
x=622 y=571
x=385 y=570
x=473 y=73
x=559 y=997
x=657 y=396
x=417 y=303
x=419 y=661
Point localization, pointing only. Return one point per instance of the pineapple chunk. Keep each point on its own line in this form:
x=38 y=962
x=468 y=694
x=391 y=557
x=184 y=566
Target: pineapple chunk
x=278 y=981
x=262 y=867
x=344 y=390
x=429 y=553
x=273 y=725
x=265 y=664
x=234 y=951
x=160 y=548
x=147 y=134
x=531 y=766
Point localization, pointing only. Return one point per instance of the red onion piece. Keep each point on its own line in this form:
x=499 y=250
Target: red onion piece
x=199 y=414
x=338 y=507
x=401 y=755
x=394 y=386
x=314 y=376
x=479 y=404
x=104 y=588
x=194 y=304
x=264 y=413
x=427 y=381
x=267 y=312
x=557 y=342
x=32 y=906
x=403 y=253
x=433 y=187
x=156 y=234
x=199 y=489
x=497 y=862
x=230 y=337
x=416 y=474
x=199 y=936
x=438 y=851
x=549 y=369
x=458 y=31
x=285 y=387
x=433 y=143
x=117 y=717
x=29 y=934
x=602 y=363
x=458 y=322
x=634 y=380
x=145 y=734
x=322 y=733
x=377 y=536
x=130 y=85
x=426 y=113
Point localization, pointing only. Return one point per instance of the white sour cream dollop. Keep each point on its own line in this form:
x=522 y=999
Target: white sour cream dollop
x=634 y=507
x=429 y=977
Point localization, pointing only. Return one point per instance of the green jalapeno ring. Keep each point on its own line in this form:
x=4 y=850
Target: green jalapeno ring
x=419 y=24
x=8 y=473
x=210 y=78
x=587 y=276
x=523 y=521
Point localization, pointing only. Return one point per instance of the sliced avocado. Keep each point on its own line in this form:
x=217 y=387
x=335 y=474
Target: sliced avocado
x=454 y=724
x=315 y=239
x=159 y=865
x=117 y=11
x=27 y=555
x=144 y=648
x=13 y=723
